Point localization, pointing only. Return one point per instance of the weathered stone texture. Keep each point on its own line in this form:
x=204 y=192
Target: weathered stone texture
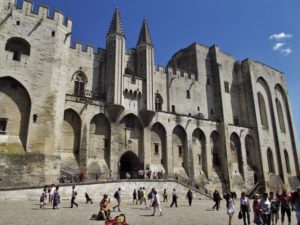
x=207 y=117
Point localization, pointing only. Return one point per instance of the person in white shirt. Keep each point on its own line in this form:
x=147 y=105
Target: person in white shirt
x=266 y=208
x=51 y=193
x=245 y=208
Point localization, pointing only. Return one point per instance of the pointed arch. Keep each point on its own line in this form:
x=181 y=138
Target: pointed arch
x=280 y=115
x=250 y=150
x=99 y=138
x=158 y=145
x=262 y=110
x=129 y=163
x=215 y=142
x=15 y=110
x=236 y=152
x=80 y=80
x=270 y=161
x=71 y=133
x=199 y=151
x=179 y=147
x=287 y=161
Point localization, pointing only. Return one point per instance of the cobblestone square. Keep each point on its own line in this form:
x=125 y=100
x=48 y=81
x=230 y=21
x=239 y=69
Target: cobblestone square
x=28 y=213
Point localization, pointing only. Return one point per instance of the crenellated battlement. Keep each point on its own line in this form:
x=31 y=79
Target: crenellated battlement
x=85 y=49
x=160 y=69
x=180 y=73
x=43 y=13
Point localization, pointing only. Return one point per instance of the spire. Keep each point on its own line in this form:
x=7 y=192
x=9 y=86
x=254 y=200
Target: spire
x=145 y=37
x=116 y=24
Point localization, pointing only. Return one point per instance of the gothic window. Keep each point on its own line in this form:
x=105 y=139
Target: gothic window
x=270 y=161
x=280 y=115
x=79 y=85
x=199 y=159
x=287 y=161
x=158 y=102
x=173 y=109
x=18 y=46
x=262 y=110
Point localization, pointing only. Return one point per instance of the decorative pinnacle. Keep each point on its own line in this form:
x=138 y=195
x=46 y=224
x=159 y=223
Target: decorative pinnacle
x=116 y=26
x=145 y=37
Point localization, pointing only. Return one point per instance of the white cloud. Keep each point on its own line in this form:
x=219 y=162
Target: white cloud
x=280 y=36
x=278 y=46
x=286 y=51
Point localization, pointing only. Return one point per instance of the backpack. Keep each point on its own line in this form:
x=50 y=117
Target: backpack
x=116 y=195
x=42 y=198
x=150 y=195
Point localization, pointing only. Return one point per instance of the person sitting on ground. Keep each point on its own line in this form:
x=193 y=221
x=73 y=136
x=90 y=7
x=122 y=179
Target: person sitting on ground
x=104 y=208
x=88 y=199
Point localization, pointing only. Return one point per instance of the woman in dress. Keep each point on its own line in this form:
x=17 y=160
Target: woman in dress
x=56 y=198
x=230 y=207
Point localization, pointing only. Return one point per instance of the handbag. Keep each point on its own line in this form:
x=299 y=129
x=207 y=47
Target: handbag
x=240 y=215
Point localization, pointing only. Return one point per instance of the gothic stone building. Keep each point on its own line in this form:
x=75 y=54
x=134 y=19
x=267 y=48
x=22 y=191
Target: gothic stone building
x=216 y=121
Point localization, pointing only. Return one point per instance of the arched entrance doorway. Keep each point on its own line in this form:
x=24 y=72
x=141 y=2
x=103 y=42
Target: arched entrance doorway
x=130 y=163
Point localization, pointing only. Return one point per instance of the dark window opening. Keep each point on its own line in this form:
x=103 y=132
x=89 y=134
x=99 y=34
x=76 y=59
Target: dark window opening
x=18 y=47
x=179 y=150
x=236 y=121
x=158 y=102
x=3 y=124
x=17 y=56
x=53 y=34
x=18 y=22
x=79 y=86
x=198 y=108
x=226 y=86
x=156 y=149
x=173 y=108
x=212 y=112
x=34 y=118
x=199 y=159
x=188 y=95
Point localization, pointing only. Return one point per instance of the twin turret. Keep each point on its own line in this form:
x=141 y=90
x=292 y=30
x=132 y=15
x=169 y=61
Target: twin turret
x=116 y=63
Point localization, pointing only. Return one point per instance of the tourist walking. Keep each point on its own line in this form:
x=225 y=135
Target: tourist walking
x=117 y=196
x=43 y=199
x=230 y=207
x=285 y=203
x=216 y=199
x=274 y=208
x=189 y=196
x=174 y=198
x=156 y=203
x=151 y=197
x=165 y=195
x=73 y=197
x=51 y=193
x=56 y=198
x=245 y=208
x=139 y=194
x=134 y=197
x=143 y=196
x=88 y=199
x=257 y=211
x=266 y=209
x=297 y=205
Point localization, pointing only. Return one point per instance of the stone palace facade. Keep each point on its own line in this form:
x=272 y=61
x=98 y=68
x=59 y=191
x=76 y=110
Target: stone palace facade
x=216 y=121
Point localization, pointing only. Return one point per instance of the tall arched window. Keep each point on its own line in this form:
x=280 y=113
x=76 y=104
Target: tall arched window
x=287 y=161
x=280 y=115
x=18 y=46
x=79 y=85
x=270 y=161
x=262 y=110
x=158 y=102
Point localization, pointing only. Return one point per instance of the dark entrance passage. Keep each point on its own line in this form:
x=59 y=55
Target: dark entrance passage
x=129 y=163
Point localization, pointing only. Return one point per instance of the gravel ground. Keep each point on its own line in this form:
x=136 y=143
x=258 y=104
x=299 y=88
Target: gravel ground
x=29 y=213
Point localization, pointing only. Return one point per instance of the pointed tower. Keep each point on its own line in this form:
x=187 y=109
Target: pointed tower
x=145 y=65
x=115 y=58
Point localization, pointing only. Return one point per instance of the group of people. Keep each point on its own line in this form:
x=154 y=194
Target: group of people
x=266 y=207
x=50 y=196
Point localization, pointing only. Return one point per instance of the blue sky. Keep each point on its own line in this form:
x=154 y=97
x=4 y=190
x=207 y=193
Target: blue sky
x=240 y=27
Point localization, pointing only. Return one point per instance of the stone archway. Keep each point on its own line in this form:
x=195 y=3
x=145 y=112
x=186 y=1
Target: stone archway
x=199 y=152
x=70 y=148
x=15 y=105
x=129 y=162
x=158 y=147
